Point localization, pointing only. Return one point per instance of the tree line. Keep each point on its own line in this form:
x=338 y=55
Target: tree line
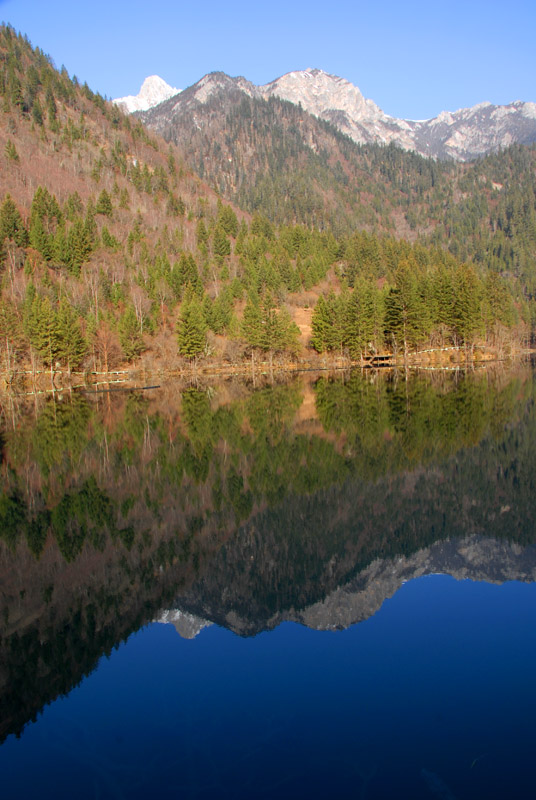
x=445 y=303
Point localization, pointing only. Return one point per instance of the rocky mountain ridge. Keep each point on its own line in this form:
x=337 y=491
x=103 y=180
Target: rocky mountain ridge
x=461 y=135
x=475 y=558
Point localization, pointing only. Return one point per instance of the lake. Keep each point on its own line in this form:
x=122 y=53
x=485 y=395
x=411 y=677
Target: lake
x=320 y=587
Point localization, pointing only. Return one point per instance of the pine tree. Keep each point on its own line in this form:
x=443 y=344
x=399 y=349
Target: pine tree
x=130 y=337
x=191 y=329
x=227 y=220
x=406 y=313
x=10 y=152
x=40 y=240
x=10 y=336
x=201 y=233
x=11 y=224
x=104 y=204
x=321 y=324
x=220 y=243
x=40 y=324
x=361 y=318
x=71 y=347
x=37 y=113
x=52 y=110
x=468 y=320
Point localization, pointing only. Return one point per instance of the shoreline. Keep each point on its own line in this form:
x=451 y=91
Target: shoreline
x=450 y=359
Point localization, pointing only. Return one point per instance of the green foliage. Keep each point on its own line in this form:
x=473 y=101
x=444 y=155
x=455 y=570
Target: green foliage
x=104 y=204
x=37 y=113
x=175 y=206
x=129 y=334
x=10 y=152
x=220 y=243
x=71 y=346
x=12 y=518
x=268 y=328
x=40 y=325
x=407 y=317
x=227 y=220
x=108 y=240
x=436 y=300
x=12 y=227
x=191 y=329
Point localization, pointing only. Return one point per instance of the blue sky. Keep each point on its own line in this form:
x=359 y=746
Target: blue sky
x=413 y=58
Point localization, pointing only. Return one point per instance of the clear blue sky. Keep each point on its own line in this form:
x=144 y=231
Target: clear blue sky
x=413 y=58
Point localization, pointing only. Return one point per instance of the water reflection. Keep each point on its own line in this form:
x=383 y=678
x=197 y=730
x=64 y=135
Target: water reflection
x=312 y=501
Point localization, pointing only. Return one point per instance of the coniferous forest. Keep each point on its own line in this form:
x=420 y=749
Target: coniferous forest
x=114 y=252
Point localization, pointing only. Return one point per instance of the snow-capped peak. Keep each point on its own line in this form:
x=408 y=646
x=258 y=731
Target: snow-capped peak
x=153 y=91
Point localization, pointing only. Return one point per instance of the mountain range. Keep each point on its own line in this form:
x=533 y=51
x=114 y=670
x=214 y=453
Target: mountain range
x=475 y=558
x=461 y=135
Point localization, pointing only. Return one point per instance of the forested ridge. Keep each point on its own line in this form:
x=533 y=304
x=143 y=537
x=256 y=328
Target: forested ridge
x=273 y=157
x=114 y=252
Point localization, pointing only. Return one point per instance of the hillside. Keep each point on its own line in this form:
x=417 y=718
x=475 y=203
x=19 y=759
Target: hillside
x=272 y=157
x=113 y=251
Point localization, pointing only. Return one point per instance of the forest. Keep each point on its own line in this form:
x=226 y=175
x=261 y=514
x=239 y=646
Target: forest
x=114 y=253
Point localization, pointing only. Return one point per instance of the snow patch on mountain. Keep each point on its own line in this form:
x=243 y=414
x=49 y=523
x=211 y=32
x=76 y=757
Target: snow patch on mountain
x=154 y=90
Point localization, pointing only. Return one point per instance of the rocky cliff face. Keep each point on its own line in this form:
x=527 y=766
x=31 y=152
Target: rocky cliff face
x=340 y=102
x=461 y=135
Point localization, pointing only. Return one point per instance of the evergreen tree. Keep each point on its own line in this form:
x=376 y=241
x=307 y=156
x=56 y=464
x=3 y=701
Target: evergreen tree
x=10 y=152
x=268 y=328
x=201 y=233
x=251 y=326
x=220 y=243
x=321 y=325
x=71 y=347
x=468 y=321
x=104 y=204
x=130 y=336
x=40 y=240
x=227 y=220
x=40 y=324
x=406 y=313
x=499 y=307
x=361 y=318
x=329 y=322
x=11 y=225
x=37 y=113
x=11 y=339
x=191 y=329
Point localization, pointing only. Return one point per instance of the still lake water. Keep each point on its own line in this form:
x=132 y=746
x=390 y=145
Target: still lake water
x=346 y=568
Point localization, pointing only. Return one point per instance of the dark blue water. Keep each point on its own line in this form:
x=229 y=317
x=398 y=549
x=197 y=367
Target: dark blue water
x=434 y=696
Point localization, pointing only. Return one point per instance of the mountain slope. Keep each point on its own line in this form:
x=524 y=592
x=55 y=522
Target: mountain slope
x=272 y=156
x=462 y=135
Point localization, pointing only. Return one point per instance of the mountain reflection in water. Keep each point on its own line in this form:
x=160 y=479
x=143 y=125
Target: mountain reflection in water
x=312 y=501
